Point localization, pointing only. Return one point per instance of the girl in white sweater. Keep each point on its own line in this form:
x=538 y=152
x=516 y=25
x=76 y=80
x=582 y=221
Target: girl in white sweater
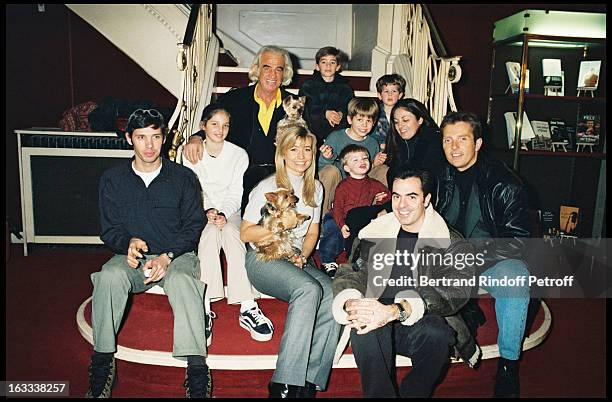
x=220 y=172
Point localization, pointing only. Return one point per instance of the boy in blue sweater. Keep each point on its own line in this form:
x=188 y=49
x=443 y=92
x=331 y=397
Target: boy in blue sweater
x=362 y=113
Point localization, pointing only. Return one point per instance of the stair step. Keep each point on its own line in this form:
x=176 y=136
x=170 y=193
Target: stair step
x=146 y=334
x=364 y=94
x=230 y=77
x=226 y=58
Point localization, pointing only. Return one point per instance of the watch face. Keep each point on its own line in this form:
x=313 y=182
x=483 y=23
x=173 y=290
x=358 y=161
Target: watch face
x=170 y=255
x=402 y=313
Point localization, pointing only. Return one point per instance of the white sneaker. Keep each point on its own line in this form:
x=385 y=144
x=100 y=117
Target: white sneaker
x=208 y=330
x=330 y=269
x=259 y=326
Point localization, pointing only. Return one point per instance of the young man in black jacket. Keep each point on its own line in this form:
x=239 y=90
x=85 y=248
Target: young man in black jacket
x=255 y=111
x=151 y=216
x=327 y=95
x=486 y=201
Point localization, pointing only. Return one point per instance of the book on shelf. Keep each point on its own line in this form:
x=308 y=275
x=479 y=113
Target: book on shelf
x=514 y=77
x=550 y=222
x=558 y=131
x=540 y=129
x=588 y=75
x=551 y=70
x=571 y=136
x=588 y=129
x=527 y=133
x=554 y=90
x=569 y=218
x=542 y=135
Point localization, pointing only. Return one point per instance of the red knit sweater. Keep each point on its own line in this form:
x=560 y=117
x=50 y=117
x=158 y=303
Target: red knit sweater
x=352 y=193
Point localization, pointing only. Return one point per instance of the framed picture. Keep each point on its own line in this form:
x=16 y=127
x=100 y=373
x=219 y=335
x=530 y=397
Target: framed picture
x=551 y=70
x=588 y=75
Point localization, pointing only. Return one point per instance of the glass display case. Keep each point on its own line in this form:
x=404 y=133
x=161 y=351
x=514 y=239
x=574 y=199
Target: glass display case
x=546 y=110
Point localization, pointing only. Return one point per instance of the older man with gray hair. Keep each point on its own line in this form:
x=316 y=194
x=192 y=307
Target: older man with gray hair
x=255 y=110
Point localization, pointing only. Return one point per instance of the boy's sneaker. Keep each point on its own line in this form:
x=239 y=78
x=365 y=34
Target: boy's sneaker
x=197 y=382
x=257 y=324
x=102 y=378
x=208 y=317
x=330 y=269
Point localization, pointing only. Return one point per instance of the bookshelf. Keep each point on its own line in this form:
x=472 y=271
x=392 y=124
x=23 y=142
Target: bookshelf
x=576 y=177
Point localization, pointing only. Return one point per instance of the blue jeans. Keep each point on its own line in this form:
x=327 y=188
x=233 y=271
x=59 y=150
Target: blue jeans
x=511 y=305
x=332 y=242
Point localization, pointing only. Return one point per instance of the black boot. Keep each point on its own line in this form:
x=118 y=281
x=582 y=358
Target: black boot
x=307 y=391
x=277 y=390
x=507 y=379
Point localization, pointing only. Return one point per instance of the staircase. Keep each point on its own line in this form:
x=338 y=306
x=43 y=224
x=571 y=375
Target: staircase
x=146 y=333
x=378 y=39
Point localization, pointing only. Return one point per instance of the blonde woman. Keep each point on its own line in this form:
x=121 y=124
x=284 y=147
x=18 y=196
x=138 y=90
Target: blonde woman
x=311 y=333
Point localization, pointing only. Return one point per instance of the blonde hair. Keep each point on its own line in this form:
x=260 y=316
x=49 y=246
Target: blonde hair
x=286 y=138
x=256 y=65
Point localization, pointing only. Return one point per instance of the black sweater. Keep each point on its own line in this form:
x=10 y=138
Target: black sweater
x=167 y=215
x=423 y=151
x=322 y=96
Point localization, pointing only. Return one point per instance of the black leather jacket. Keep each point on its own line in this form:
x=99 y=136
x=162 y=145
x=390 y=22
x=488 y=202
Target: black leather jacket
x=503 y=202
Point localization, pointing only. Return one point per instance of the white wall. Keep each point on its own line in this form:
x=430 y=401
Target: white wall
x=302 y=29
x=142 y=32
x=365 y=29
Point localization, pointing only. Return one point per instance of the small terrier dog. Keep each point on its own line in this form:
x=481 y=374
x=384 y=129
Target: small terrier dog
x=294 y=107
x=279 y=216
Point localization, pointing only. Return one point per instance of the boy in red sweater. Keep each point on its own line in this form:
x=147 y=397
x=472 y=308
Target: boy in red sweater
x=356 y=190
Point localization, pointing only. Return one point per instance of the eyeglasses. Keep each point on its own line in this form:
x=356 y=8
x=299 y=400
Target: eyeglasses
x=142 y=112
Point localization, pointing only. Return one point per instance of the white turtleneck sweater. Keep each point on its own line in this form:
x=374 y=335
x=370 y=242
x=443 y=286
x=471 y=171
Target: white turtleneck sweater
x=221 y=178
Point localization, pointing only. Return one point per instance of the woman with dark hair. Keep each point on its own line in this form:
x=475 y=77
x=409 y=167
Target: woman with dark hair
x=414 y=140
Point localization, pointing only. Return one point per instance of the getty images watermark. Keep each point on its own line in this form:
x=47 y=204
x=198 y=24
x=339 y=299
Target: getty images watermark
x=556 y=269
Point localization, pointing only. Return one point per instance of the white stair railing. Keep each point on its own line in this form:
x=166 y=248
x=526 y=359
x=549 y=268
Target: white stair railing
x=197 y=61
x=429 y=77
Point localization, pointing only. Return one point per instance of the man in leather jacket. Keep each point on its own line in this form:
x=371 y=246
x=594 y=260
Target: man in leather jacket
x=405 y=318
x=483 y=199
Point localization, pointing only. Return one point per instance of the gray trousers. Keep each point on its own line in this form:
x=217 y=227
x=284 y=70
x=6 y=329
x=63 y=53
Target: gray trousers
x=181 y=284
x=311 y=334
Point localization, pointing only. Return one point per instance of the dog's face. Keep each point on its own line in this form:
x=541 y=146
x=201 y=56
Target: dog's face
x=294 y=106
x=281 y=205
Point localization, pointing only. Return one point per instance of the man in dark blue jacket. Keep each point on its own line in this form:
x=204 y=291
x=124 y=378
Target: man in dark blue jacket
x=151 y=217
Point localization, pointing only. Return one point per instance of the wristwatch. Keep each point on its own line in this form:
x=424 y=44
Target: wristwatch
x=170 y=255
x=403 y=315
